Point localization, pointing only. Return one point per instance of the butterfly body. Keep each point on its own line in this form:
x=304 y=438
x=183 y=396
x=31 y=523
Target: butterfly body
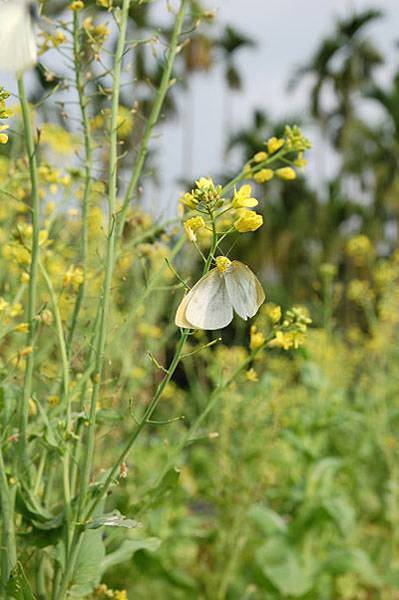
x=17 y=39
x=211 y=303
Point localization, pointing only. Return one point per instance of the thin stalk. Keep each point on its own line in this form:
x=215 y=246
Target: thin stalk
x=88 y=145
x=110 y=252
x=8 y=543
x=106 y=293
x=33 y=276
x=155 y=112
x=65 y=398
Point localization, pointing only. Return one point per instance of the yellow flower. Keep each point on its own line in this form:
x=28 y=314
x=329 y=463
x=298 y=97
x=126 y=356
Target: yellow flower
x=263 y=175
x=125 y=122
x=260 y=156
x=251 y=375
x=274 y=144
x=22 y=328
x=53 y=400
x=3 y=304
x=242 y=197
x=120 y=595
x=273 y=311
x=287 y=173
x=287 y=340
x=191 y=226
x=3 y=136
x=74 y=277
x=360 y=249
x=76 y=5
x=188 y=200
x=16 y=309
x=248 y=220
x=257 y=339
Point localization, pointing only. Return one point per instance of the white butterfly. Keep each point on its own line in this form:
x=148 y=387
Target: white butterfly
x=210 y=303
x=17 y=40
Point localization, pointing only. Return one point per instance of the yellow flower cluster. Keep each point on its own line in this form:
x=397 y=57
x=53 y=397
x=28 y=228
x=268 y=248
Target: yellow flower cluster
x=292 y=142
x=76 y=5
x=103 y=592
x=257 y=339
x=74 y=277
x=4 y=114
x=51 y=40
x=96 y=33
x=206 y=194
x=360 y=249
x=291 y=333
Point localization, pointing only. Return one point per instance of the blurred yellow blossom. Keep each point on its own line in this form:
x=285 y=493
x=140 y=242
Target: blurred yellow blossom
x=191 y=226
x=260 y=156
x=287 y=173
x=251 y=375
x=263 y=175
x=257 y=339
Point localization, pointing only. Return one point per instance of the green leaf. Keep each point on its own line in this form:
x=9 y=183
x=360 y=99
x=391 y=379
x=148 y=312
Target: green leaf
x=321 y=478
x=281 y=566
x=28 y=506
x=114 y=519
x=268 y=521
x=127 y=549
x=18 y=586
x=341 y=512
x=353 y=560
x=88 y=568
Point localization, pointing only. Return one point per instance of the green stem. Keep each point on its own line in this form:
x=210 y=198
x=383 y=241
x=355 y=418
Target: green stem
x=110 y=251
x=8 y=543
x=106 y=292
x=35 y=210
x=154 y=114
x=65 y=398
x=83 y=103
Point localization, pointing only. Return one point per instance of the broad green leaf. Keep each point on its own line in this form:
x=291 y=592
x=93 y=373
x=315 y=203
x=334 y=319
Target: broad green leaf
x=268 y=521
x=88 y=569
x=18 y=587
x=28 y=506
x=321 y=477
x=280 y=564
x=127 y=549
x=353 y=560
x=341 y=512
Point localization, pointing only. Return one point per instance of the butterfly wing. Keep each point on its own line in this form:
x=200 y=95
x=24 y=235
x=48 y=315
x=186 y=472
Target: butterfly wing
x=17 y=41
x=244 y=290
x=207 y=305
